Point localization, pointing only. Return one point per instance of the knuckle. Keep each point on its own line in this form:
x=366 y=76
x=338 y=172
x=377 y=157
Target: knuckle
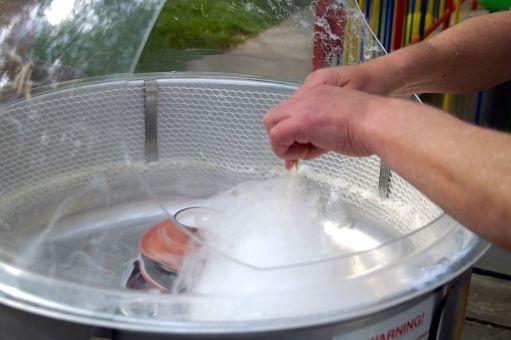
x=267 y=120
x=270 y=115
x=316 y=76
x=311 y=76
x=302 y=133
x=274 y=136
x=317 y=92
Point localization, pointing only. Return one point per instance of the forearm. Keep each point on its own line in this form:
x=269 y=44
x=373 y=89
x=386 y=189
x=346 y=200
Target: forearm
x=468 y=57
x=465 y=169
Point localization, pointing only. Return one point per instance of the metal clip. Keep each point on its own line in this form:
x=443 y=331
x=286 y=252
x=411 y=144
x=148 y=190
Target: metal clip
x=151 y=120
x=384 y=181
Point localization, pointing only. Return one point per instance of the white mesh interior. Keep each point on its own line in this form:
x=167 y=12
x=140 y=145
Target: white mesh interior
x=52 y=143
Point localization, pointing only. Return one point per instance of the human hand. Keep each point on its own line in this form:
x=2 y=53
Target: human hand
x=376 y=77
x=321 y=119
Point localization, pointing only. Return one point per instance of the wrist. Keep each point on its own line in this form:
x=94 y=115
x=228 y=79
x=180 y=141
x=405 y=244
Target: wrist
x=388 y=73
x=408 y=70
x=419 y=65
x=374 y=125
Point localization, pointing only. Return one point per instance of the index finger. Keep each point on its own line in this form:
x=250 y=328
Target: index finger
x=284 y=134
x=275 y=115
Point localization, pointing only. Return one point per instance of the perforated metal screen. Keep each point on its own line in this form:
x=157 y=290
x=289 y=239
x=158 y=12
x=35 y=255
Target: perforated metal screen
x=51 y=144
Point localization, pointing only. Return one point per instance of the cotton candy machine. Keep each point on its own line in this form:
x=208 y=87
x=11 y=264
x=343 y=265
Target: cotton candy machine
x=111 y=190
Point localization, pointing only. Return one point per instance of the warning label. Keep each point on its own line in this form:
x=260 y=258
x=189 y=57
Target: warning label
x=411 y=324
x=401 y=330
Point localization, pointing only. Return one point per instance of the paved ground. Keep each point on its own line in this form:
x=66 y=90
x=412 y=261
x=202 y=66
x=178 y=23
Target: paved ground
x=283 y=52
x=489 y=309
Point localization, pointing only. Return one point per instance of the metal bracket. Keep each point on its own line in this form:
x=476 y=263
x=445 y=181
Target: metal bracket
x=151 y=120
x=384 y=181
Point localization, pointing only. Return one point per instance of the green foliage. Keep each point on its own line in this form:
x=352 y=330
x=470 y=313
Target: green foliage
x=101 y=38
